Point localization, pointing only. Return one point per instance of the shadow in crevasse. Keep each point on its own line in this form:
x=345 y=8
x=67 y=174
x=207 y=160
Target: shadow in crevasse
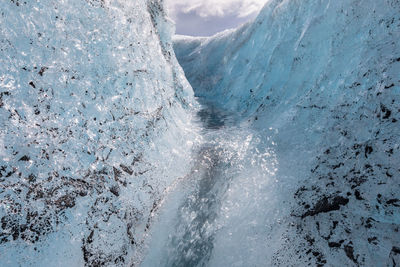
x=191 y=244
x=212 y=117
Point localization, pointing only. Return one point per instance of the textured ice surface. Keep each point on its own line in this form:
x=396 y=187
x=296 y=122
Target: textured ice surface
x=229 y=186
x=94 y=125
x=321 y=81
x=298 y=163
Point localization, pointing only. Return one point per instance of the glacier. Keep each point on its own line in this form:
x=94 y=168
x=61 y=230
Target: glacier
x=318 y=83
x=273 y=144
x=95 y=126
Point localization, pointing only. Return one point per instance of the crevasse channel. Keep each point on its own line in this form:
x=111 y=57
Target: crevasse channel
x=207 y=214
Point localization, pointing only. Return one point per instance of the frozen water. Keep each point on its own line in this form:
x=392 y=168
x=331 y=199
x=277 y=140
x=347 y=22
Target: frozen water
x=106 y=157
x=94 y=125
x=317 y=81
x=232 y=173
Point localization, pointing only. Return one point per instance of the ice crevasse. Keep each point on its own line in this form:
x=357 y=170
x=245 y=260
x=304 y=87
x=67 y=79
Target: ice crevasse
x=97 y=128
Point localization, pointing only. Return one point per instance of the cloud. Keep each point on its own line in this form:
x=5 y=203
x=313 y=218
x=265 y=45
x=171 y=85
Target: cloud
x=215 y=8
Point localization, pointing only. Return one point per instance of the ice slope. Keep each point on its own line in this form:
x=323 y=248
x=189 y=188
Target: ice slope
x=94 y=126
x=320 y=80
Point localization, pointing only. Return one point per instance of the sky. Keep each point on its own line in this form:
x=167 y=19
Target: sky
x=207 y=17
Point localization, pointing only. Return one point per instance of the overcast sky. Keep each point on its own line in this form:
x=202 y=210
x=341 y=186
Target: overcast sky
x=207 y=17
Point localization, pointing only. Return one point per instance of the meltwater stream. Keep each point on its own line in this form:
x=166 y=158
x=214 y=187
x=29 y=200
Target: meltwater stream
x=216 y=216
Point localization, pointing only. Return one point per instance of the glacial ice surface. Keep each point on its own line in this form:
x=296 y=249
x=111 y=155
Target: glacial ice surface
x=222 y=203
x=94 y=126
x=318 y=83
x=293 y=160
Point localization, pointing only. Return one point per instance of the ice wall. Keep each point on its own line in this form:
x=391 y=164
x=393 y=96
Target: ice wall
x=94 y=123
x=321 y=79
